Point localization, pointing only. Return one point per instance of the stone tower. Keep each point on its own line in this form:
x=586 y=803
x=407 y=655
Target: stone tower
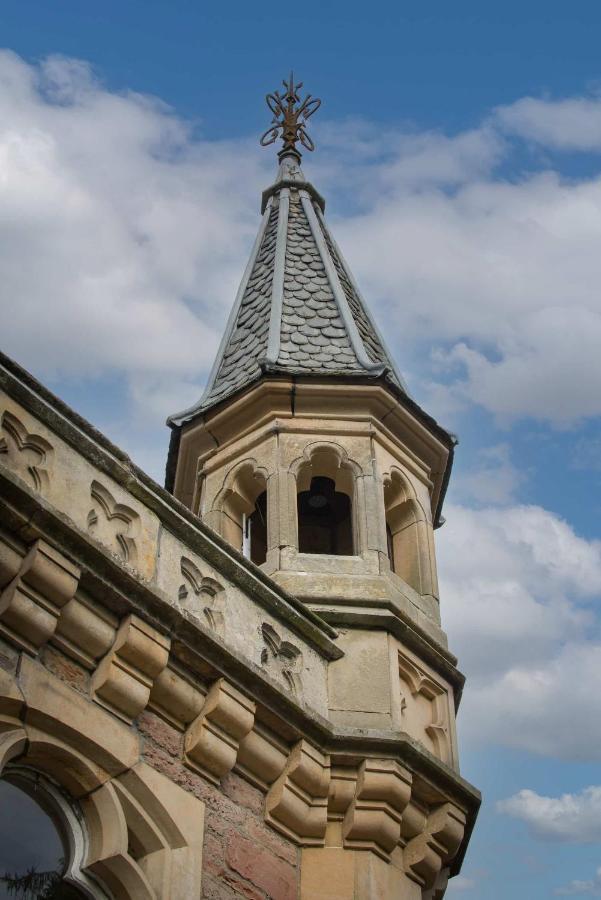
x=308 y=455
x=246 y=693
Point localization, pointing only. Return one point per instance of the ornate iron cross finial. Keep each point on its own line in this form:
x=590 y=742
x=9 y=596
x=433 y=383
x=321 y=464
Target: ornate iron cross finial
x=290 y=115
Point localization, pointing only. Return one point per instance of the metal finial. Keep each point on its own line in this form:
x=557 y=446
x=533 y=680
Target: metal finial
x=289 y=119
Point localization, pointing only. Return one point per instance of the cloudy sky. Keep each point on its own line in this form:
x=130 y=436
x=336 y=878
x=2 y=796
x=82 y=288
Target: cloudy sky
x=459 y=149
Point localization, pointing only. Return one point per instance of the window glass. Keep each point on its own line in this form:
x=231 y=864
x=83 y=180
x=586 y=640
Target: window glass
x=32 y=855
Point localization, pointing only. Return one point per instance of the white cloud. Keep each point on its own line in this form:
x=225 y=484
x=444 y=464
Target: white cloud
x=122 y=236
x=500 y=279
x=571 y=818
x=494 y=481
x=590 y=888
x=519 y=594
x=570 y=124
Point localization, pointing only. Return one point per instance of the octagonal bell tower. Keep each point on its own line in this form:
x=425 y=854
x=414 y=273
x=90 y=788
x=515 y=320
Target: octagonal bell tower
x=307 y=453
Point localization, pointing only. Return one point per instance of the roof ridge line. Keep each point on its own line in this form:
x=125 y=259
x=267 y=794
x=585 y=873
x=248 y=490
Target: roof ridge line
x=277 y=281
x=337 y=290
x=178 y=418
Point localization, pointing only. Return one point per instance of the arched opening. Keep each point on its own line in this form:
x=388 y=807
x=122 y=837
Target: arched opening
x=405 y=534
x=42 y=842
x=255 y=531
x=390 y=546
x=324 y=519
x=243 y=504
x=325 y=499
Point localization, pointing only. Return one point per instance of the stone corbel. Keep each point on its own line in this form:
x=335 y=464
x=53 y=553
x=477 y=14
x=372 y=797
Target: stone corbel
x=297 y=801
x=124 y=678
x=175 y=697
x=261 y=758
x=11 y=558
x=85 y=631
x=31 y=603
x=211 y=742
x=425 y=855
x=373 y=820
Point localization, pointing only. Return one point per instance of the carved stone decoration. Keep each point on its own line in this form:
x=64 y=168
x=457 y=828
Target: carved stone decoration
x=206 y=593
x=212 y=740
x=283 y=656
x=373 y=820
x=27 y=453
x=124 y=678
x=424 y=705
x=112 y=523
x=427 y=853
x=31 y=603
x=297 y=801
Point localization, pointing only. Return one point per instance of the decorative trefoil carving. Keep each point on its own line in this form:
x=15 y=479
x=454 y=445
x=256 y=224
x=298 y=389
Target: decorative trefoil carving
x=284 y=657
x=207 y=593
x=113 y=524
x=26 y=452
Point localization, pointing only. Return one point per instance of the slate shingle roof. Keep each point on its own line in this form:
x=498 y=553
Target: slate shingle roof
x=298 y=309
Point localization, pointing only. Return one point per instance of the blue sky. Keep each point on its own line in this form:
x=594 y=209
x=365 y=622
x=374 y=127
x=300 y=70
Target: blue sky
x=459 y=151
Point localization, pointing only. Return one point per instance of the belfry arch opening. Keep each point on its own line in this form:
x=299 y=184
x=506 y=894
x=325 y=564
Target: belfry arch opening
x=325 y=506
x=254 y=539
x=244 y=511
x=405 y=534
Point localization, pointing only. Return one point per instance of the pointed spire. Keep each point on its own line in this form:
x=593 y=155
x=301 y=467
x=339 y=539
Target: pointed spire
x=298 y=310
